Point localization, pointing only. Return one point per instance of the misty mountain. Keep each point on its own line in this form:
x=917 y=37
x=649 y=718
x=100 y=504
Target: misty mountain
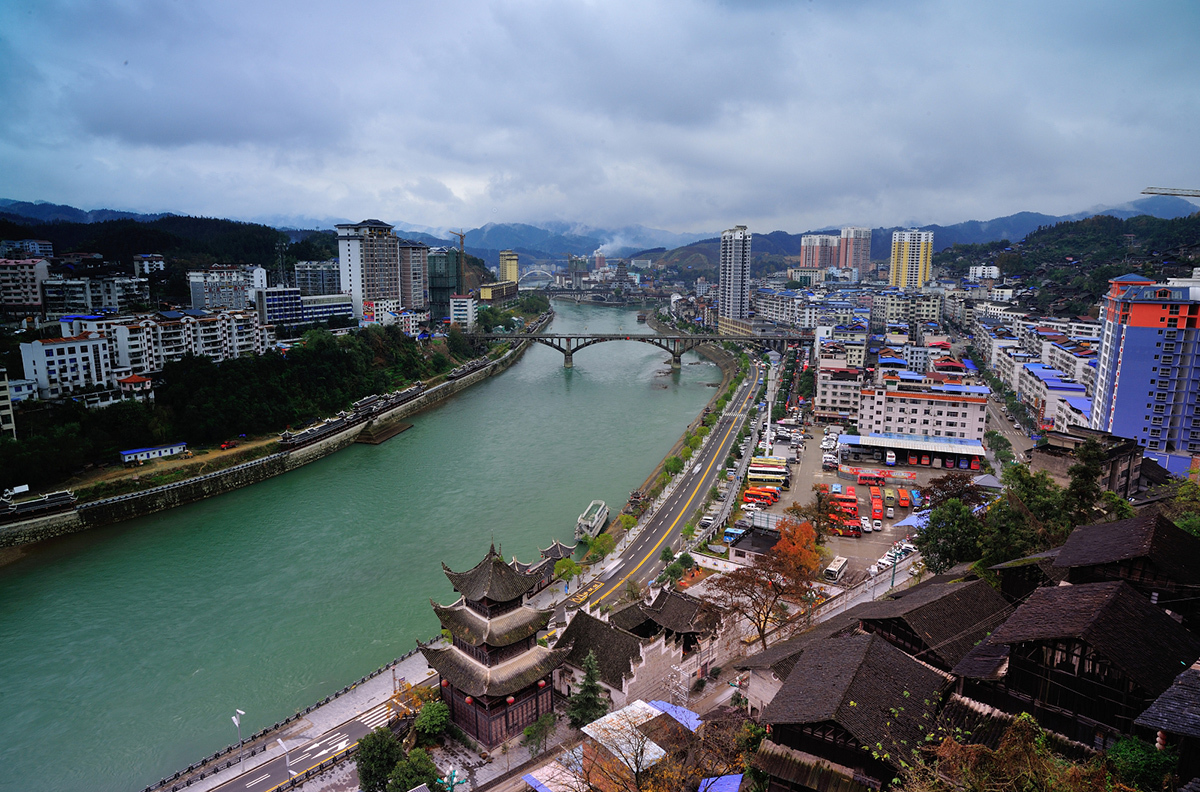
x=551 y=241
x=43 y=212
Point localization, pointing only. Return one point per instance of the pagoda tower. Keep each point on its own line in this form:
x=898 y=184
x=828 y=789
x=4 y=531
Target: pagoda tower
x=495 y=676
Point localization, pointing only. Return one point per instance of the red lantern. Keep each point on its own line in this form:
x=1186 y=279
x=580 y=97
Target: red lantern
x=510 y=699
x=541 y=683
x=445 y=683
x=470 y=700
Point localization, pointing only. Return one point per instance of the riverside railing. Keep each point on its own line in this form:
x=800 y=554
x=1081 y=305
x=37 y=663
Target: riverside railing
x=184 y=778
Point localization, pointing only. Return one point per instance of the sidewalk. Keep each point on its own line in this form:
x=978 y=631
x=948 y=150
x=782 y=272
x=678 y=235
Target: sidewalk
x=324 y=718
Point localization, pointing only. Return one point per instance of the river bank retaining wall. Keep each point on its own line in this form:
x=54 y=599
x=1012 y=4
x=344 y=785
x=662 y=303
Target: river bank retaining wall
x=139 y=504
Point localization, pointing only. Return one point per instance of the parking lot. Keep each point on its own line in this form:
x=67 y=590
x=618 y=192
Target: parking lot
x=861 y=552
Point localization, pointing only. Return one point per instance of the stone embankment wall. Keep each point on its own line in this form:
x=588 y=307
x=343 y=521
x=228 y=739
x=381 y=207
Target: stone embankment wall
x=140 y=504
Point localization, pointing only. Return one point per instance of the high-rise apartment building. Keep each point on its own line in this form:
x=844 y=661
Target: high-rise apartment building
x=912 y=258
x=318 y=277
x=414 y=275
x=1148 y=379
x=445 y=280
x=854 y=251
x=734 y=287
x=508 y=266
x=369 y=262
x=818 y=251
x=222 y=286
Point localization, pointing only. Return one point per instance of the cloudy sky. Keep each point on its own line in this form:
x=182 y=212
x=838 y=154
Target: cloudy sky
x=688 y=116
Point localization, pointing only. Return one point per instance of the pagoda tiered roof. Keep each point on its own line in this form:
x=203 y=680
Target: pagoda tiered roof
x=476 y=679
x=472 y=628
x=491 y=579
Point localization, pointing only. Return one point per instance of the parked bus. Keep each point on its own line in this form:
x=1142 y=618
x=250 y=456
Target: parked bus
x=876 y=492
x=915 y=496
x=902 y=499
x=757 y=497
x=847 y=504
x=770 y=495
x=876 y=509
x=889 y=497
x=834 y=572
x=869 y=480
x=844 y=526
x=755 y=479
x=891 y=458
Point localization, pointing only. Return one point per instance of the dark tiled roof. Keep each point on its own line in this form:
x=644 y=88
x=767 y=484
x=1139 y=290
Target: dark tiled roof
x=491 y=579
x=976 y=723
x=476 y=679
x=680 y=613
x=856 y=682
x=629 y=616
x=986 y=660
x=557 y=550
x=807 y=771
x=949 y=617
x=1115 y=620
x=469 y=626
x=782 y=656
x=1175 y=552
x=1177 y=710
x=616 y=650
x=1036 y=558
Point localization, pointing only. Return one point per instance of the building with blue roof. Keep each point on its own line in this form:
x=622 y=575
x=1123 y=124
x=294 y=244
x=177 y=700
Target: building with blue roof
x=139 y=455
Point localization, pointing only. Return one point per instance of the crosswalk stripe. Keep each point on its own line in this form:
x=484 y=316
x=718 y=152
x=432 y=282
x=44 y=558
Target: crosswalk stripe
x=375 y=718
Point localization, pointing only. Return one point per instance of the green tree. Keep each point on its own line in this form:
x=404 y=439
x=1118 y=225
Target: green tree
x=431 y=721
x=601 y=546
x=674 y=571
x=673 y=465
x=416 y=769
x=667 y=555
x=686 y=561
x=1083 y=490
x=378 y=754
x=950 y=536
x=566 y=569
x=458 y=344
x=537 y=733
x=587 y=703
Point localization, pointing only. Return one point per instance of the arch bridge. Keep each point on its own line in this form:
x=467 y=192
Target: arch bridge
x=676 y=346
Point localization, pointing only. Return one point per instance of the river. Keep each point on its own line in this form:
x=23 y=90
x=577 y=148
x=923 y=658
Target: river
x=125 y=650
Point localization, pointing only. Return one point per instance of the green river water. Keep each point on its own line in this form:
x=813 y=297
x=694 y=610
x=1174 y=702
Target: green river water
x=124 y=651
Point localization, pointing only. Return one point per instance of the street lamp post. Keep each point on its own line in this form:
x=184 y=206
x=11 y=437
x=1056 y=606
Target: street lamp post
x=237 y=721
x=287 y=758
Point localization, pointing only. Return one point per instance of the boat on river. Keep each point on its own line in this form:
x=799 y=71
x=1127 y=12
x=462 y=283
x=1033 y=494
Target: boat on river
x=593 y=519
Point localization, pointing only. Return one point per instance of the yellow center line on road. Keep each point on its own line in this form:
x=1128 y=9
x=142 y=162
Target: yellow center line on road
x=749 y=396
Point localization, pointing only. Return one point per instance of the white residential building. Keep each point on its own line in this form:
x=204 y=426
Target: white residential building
x=464 y=311
x=222 y=286
x=21 y=283
x=734 y=286
x=62 y=366
x=838 y=392
x=981 y=271
x=918 y=409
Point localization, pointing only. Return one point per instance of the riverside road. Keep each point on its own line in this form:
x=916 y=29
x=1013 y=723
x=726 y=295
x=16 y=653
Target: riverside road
x=640 y=562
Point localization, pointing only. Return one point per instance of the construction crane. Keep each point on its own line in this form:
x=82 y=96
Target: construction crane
x=1182 y=193
x=460 y=276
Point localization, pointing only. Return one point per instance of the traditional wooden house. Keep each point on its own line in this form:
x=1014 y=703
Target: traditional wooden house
x=1149 y=552
x=1084 y=660
x=937 y=623
x=648 y=651
x=1019 y=577
x=1174 y=719
x=495 y=678
x=769 y=668
x=856 y=703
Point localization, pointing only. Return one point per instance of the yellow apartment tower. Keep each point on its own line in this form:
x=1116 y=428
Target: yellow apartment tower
x=912 y=257
x=508 y=266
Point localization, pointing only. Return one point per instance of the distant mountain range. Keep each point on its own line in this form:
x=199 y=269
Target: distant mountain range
x=553 y=240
